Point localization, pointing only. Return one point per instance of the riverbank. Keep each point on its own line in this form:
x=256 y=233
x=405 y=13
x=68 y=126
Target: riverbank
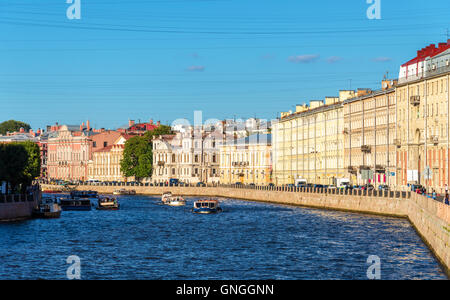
x=17 y=207
x=430 y=218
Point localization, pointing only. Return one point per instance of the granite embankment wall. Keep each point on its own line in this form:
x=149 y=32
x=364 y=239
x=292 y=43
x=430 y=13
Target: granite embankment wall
x=430 y=218
x=16 y=207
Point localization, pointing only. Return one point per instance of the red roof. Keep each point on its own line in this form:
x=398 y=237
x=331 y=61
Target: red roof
x=429 y=51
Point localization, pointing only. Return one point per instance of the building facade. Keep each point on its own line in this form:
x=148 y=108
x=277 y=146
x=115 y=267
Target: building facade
x=308 y=144
x=370 y=135
x=190 y=157
x=423 y=131
x=105 y=163
x=247 y=160
x=70 y=150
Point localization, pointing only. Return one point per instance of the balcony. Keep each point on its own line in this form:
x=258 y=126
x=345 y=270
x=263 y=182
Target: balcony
x=160 y=163
x=414 y=100
x=366 y=148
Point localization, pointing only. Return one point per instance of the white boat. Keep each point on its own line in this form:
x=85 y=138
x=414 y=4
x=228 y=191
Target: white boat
x=176 y=201
x=124 y=192
x=165 y=197
x=48 y=209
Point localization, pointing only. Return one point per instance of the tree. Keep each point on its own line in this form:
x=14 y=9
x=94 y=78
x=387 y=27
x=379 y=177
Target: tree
x=20 y=163
x=13 y=162
x=12 y=126
x=33 y=166
x=160 y=130
x=137 y=158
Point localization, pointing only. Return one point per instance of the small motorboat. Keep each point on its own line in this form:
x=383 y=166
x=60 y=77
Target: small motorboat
x=47 y=209
x=107 y=203
x=75 y=203
x=124 y=192
x=175 y=201
x=165 y=197
x=206 y=207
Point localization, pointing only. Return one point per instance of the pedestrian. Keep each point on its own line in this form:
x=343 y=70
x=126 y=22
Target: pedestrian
x=434 y=195
x=446 y=199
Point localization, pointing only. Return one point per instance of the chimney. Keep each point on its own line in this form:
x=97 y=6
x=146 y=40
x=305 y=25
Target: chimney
x=21 y=130
x=130 y=123
x=158 y=123
x=88 y=127
x=32 y=133
x=151 y=122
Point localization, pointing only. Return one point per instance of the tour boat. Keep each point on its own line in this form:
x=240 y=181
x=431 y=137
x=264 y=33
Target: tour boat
x=175 y=201
x=75 y=203
x=124 y=192
x=206 y=207
x=107 y=203
x=48 y=209
x=84 y=194
x=165 y=197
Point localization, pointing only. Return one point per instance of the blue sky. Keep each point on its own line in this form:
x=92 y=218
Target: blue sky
x=163 y=59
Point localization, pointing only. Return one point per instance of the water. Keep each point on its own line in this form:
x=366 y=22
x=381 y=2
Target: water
x=146 y=240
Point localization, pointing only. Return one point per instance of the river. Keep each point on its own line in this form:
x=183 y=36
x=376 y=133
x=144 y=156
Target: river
x=248 y=240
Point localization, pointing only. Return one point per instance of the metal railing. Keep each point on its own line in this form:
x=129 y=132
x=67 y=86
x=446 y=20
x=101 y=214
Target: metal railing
x=292 y=189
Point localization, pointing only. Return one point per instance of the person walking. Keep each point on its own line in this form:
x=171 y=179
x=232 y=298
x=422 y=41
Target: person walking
x=446 y=201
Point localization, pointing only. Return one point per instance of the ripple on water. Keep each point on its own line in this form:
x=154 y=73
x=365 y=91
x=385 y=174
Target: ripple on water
x=146 y=240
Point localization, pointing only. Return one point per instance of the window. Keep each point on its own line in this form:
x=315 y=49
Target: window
x=94 y=144
x=105 y=144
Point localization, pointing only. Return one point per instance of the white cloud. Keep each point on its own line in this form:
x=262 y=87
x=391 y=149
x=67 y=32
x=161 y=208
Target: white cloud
x=196 y=68
x=307 y=58
x=334 y=59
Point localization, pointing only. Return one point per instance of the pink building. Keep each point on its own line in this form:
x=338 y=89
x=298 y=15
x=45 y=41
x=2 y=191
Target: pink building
x=70 y=150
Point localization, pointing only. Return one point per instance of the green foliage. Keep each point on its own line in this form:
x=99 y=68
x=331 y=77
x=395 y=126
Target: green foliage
x=12 y=126
x=160 y=130
x=13 y=161
x=33 y=167
x=20 y=163
x=137 y=158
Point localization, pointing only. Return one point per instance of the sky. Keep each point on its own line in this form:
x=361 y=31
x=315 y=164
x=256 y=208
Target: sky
x=165 y=59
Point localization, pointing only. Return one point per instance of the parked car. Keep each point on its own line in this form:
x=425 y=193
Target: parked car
x=173 y=181
x=271 y=185
x=332 y=187
x=200 y=183
x=383 y=187
x=252 y=184
x=290 y=185
x=368 y=187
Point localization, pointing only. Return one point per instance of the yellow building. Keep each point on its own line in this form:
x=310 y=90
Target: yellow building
x=370 y=132
x=247 y=160
x=309 y=143
x=105 y=163
x=423 y=130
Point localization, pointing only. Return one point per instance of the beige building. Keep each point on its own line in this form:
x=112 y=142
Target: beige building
x=190 y=157
x=370 y=132
x=247 y=160
x=105 y=163
x=309 y=143
x=423 y=131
